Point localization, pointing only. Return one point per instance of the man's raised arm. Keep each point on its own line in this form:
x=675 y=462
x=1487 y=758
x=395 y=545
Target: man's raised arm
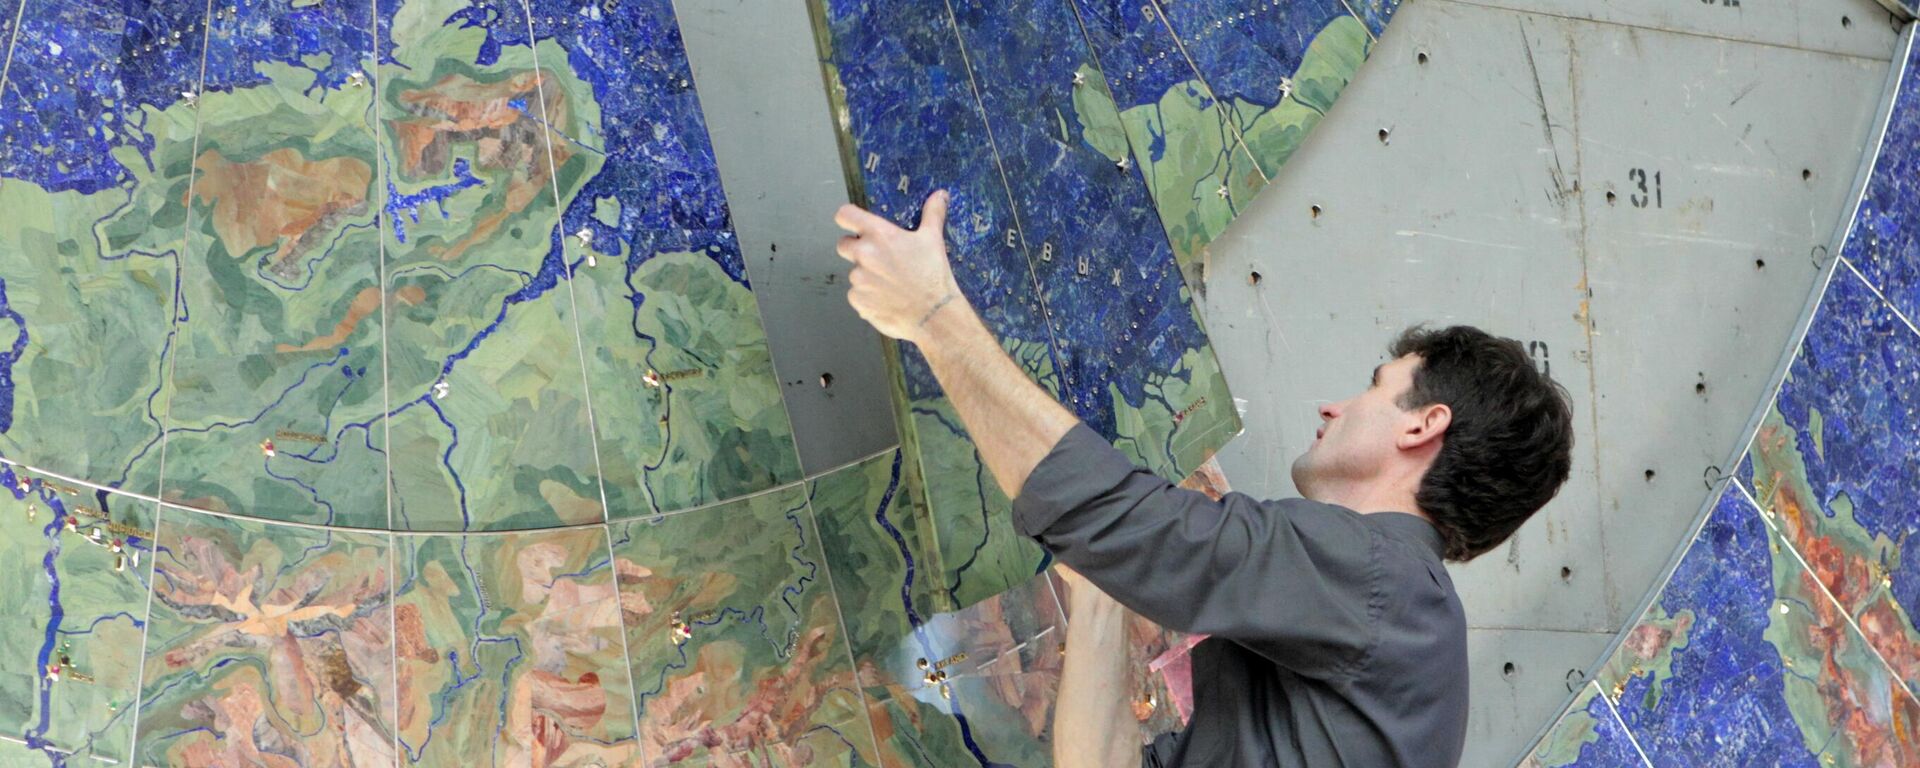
x=903 y=284
x=1177 y=557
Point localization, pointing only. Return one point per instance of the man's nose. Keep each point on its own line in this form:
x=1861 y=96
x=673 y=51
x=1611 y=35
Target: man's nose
x=1329 y=410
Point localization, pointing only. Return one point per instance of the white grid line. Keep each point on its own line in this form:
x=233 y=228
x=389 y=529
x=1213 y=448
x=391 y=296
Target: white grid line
x=1767 y=518
x=626 y=652
x=1233 y=124
x=386 y=391
x=840 y=618
x=178 y=343
x=23 y=467
x=1904 y=320
x=6 y=65
x=559 y=226
x=1622 y=722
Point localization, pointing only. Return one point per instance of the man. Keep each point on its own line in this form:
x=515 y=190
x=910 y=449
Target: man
x=1336 y=635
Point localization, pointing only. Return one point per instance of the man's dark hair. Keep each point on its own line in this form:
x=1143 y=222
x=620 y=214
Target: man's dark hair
x=1509 y=446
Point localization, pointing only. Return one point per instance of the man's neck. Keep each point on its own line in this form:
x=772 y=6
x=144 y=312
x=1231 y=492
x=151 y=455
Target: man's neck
x=1372 y=498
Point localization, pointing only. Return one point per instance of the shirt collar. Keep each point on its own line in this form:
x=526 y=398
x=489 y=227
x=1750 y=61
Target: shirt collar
x=1412 y=527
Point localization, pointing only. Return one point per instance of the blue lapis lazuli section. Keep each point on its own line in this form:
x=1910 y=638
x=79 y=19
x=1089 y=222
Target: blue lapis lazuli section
x=658 y=162
x=917 y=127
x=1138 y=52
x=333 y=39
x=1859 y=368
x=1245 y=50
x=1611 y=747
x=1107 y=275
x=1375 y=13
x=1725 y=702
x=77 y=83
x=83 y=74
x=1885 y=240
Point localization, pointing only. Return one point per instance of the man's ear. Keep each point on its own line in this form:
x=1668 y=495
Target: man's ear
x=1430 y=424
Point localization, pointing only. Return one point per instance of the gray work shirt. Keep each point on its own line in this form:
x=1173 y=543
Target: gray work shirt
x=1337 y=639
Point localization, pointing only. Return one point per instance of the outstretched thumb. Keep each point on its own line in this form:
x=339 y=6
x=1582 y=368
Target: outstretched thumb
x=933 y=215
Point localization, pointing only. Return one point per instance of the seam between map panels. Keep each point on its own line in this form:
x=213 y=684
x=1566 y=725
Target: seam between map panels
x=1904 y=320
x=13 y=38
x=1846 y=614
x=173 y=318
x=626 y=652
x=1615 y=713
x=1232 y=123
x=846 y=637
x=349 y=529
x=386 y=402
x=559 y=226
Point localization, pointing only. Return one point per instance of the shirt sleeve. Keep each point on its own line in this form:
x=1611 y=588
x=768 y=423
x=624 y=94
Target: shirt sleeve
x=1294 y=580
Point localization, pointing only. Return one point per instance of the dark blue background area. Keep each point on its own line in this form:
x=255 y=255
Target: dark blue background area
x=1726 y=702
x=657 y=158
x=69 y=61
x=1613 y=748
x=987 y=111
x=1885 y=243
x=1860 y=368
x=1375 y=13
x=1136 y=51
x=274 y=30
x=1080 y=211
x=917 y=127
x=1244 y=48
x=65 y=111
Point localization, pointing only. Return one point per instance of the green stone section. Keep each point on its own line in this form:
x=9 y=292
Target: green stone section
x=1574 y=730
x=1000 y=657
x=280 y=332
x=268 y=638
x=509 y=651
x=736 y=642
x=683 y=385
x=1845 y=558
x=1204 y=177
x=1833 y=679
x=1648 y=650
x=980 y=552
x=88 y=709
x=1274 y=133
x=87 y=399
x=500 y=444
x=1173 y=443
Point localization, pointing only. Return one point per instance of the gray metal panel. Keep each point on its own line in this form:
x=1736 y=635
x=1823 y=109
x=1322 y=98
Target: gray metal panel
x=1510 y=702
x=1854 y=27
x=1466 y=214
x=759 y=80
x=1749 y=155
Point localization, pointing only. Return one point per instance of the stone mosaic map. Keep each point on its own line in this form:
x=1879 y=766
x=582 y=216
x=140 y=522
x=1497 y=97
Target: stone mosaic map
x=258 y=255
x=1093 y=149
x=1786 y=633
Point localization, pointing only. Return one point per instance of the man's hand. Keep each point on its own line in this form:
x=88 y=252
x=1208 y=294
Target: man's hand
x=900 y=278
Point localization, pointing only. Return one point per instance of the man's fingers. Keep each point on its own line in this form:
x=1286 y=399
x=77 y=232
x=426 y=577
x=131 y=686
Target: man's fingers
x=857 y=220
x=850 y=248
x=933 y=215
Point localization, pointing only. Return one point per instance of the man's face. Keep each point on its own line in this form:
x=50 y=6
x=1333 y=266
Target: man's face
x=1357 y=439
